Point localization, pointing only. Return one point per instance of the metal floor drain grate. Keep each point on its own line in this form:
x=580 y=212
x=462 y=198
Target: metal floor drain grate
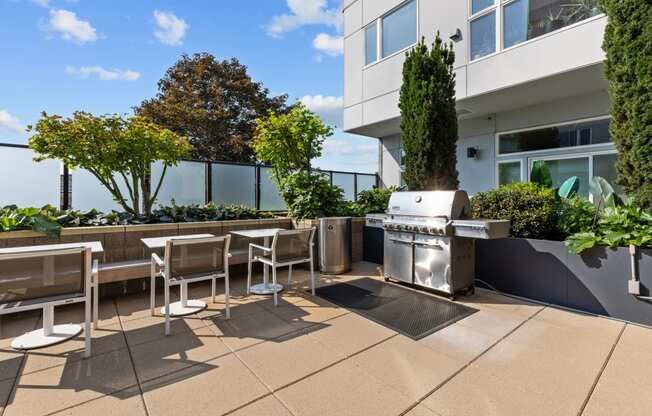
x=413 y=314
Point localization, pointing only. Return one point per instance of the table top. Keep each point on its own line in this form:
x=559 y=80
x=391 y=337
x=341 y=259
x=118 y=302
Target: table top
x=160 y=242
x=265 y=232
x=96 y=247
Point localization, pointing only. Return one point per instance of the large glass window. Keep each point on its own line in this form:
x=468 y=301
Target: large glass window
x=563 y=169
x=509 y=172
x=479 y=5
x=483 y=35
x=371 y=43
x=528 y=19
x=400 y=28
x=581 y=134
x=604 y=165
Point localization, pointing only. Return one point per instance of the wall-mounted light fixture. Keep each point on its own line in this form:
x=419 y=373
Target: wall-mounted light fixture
x=473 y=153
x=456 y=36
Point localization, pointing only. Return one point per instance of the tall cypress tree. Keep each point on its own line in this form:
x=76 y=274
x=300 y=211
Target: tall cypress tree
x=429 y=117
x=628 y=44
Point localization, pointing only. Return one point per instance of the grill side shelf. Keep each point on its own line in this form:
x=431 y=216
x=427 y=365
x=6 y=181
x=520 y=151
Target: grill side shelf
x=482 y=229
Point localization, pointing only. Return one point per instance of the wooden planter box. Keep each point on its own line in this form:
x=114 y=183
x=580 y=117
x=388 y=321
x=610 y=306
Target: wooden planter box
x=594 y=282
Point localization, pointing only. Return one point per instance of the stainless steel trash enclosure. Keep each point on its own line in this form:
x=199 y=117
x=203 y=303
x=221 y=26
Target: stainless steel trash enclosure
x=335 y=245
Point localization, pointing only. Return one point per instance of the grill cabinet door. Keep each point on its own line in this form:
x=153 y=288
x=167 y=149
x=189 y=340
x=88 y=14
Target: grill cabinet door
x=397 y=263
x=432 y=262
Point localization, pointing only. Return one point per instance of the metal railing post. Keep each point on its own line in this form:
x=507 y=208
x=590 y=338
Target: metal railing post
x=257 y=188
x=65 y=189
x=209 y=182
x=355 y=187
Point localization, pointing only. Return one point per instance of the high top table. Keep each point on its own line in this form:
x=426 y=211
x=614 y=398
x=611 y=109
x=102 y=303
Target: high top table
x=265 y=288
x=185 y=306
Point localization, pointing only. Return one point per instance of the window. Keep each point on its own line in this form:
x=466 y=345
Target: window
x=522 y=20
x=571 y=135
x=400 y=29
x=528 y=19
x=604 y=165
x=391 y=33
x=483 y=35
x=563 y=169
x=509 y=172
x=371 y=43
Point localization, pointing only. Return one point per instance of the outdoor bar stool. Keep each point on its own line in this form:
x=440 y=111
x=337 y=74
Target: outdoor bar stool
x=188 y=260
x=289 y=247
x=42 y=279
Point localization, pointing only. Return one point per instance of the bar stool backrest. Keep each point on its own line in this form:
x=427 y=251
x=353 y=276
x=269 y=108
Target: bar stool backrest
x=293 y=244
x=197 y=256
x=29 y=275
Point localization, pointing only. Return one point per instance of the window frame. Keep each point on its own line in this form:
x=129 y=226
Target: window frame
x=379 y=34
x=586 y=147
x=504 y=162
x=499 y=8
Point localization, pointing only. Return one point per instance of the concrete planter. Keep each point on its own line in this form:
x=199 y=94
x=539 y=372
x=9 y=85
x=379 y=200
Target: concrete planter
x=595 y=281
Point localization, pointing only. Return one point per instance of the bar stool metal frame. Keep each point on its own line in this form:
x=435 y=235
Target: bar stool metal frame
x=52 y=334
x=162 y=267
x=274 y=263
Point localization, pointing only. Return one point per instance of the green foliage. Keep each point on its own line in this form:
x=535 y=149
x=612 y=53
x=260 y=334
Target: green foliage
x=603 y=193
x=627 y=41
x=41 y=220
x=290 y=141
x=310 y=195
x=541 y=174
x=50 y=221
x=429 y=117
x=375 y=200
x=112 y=149
x=576 y=215
x=569 y=188
x=621 y=226
x=531 y=208
x=213 y=103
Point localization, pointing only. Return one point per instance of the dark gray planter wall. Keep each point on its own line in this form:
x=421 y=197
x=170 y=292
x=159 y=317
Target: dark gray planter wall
x=595 y=281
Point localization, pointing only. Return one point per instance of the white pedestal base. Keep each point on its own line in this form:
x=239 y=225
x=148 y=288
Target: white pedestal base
x=192 y=306
x=38 y=339
x=266 y=289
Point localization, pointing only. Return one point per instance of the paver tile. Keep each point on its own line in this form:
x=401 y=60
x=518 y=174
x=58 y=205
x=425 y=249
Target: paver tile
x=10 y=363
x=460 y=342
x=244 y=331
x=267 y=406
x=212 y=388
x=343 y=390
x=351 y=333
x=16 y=324
x=625 y=385
x=151 y=328
x=284 y=360
x=127 y=402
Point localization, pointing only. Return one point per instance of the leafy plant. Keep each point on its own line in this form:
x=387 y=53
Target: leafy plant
x=429 y=117
x=375 y=200
x=628 y=69
x=576 y=215
x=531 y=208
x=603 y=193
x=621 y=226
x=310 y=195
x=541 y=174
x=113 y=150
x=40 y=220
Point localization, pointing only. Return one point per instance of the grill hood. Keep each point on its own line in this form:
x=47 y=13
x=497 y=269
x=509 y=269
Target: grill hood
x=453 y=205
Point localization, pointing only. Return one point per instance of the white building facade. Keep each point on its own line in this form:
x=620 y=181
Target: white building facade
x=530 y=84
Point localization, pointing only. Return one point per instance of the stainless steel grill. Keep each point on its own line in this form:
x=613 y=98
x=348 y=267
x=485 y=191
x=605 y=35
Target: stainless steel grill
x=430 y=243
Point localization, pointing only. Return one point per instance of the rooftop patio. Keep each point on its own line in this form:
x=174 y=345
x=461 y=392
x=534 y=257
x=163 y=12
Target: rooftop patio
x=309 y=357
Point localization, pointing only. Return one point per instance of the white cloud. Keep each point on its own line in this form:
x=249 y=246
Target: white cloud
x=330 y=45
x=42 y=3
x=341 y=147
x=9 y=122
x=327 y=107
x=304 y=12
x=171 y=29
x=103 y=74
x=70 y=27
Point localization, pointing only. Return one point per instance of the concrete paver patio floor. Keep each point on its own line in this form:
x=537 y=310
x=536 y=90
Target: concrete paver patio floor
x=310 y=357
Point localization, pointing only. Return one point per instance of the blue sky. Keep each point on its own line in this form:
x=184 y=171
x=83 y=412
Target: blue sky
x=106 y=56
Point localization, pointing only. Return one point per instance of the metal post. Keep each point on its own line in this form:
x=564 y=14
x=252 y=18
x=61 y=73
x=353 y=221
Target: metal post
x=355 y=186
x=65 y=182
x=257 y=196
x=209 y=182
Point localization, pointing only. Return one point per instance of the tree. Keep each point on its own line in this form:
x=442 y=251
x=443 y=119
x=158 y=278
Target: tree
x=628 y=44
x=114 y=150
x=289 y=142
x=214 y=104
x=429 y=117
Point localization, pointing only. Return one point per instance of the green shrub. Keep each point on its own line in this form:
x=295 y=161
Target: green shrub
x=575 y=215
x=375 y=200
x=310 y=195
x=620 y=226
x=531 y=208
x=42 y=220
